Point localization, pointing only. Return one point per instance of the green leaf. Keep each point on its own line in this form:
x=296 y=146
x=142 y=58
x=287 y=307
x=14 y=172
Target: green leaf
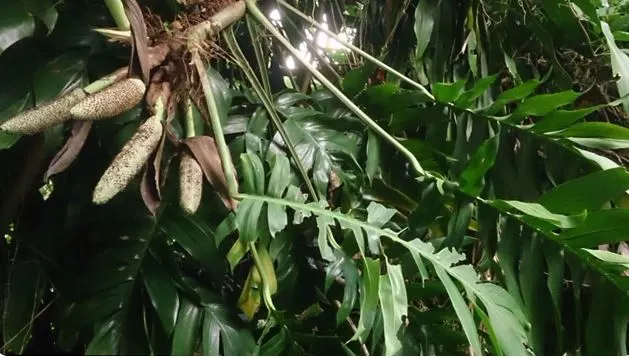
x=187 y=329
x=350 y=293
x=276 y=345
x=195 y=237
x=465 y=316
x=7 y=140
x=480 y=87
x=539 y=211
x=248 y=216
x=43 y=10
x=106 y=340
x=600 y=227
x=377 y=215
x=543 y=104
x=620 y=65
x=471 y=179
x=221 y=329
x=368 y=298
x=290 y=99
x=322 y=238
x=222 y=93
x=423 y=27
x=373 y=155
x=506 y=319
x=26 y=286
x=575 y=196
x=278 y=182
x=320 y=143
x=448 y=92
x=561 y=118
x=356 y=79
x=59 y=76
x=253 y=173
x=511 y=95
x=458 y=224
x=15 y=24
x=597 y=135
x=394 y=307
x=162 y=292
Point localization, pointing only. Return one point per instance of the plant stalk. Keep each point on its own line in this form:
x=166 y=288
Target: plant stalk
x=189 y=119
x=251 y=5
x=116 y=9
x=215 y=121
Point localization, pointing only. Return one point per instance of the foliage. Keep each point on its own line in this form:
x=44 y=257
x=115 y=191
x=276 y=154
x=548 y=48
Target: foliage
x=473 y=200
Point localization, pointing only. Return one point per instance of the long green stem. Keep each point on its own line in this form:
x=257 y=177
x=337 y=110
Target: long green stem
x=189 y=119
x=251 y=5
x=254 y=32
x=106 y=81
x=217 y=128
x=116 y=9
x=356 y=49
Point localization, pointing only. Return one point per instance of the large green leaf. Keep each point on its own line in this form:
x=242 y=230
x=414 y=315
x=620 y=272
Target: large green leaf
x=162 y=291
x=186 y=332
x=221 y=330
x=598 y=135
x=15 y=24
x=601 y=227
x=319 y=143
x=576 y=195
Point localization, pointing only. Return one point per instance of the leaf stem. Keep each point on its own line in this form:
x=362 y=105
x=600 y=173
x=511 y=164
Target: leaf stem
x=116 y=9
x=189 y=119
x=215 y=121
x=251 y=5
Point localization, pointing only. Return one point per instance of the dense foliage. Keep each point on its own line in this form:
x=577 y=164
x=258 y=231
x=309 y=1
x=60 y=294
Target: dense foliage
x=453 y=184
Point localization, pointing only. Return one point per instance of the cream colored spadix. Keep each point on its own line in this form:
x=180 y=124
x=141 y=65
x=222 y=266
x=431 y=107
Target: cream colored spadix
x=111 y=101
x=190 y=183
x=41 y=118
x=128 y=163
